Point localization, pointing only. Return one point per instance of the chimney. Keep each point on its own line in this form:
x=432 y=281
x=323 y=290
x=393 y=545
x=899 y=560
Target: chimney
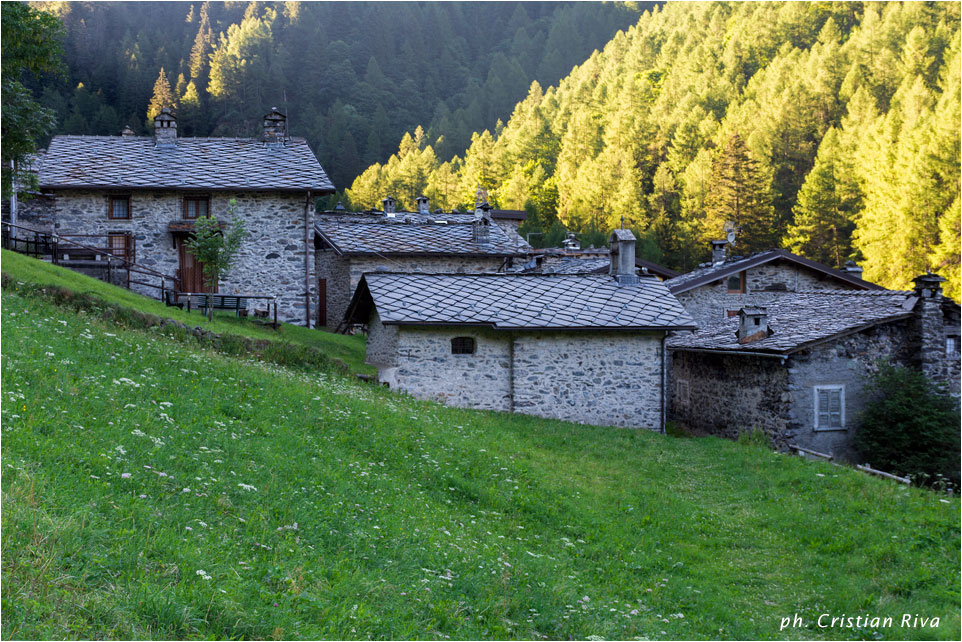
x=423 y=204
x=719 y=252
x=275 y=127
x=165 y=128
x=622 y=255
x=752 y=324
x=389 y=204
x=571 y=242
x=128 y=132
x=930 y=326
x=851 y=267
x=481 y=229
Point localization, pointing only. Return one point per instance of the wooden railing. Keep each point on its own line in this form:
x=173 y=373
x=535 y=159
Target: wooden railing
x=64 y=250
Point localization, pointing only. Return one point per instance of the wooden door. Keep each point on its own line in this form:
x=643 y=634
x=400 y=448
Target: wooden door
x=322 y=302
x=191 y=270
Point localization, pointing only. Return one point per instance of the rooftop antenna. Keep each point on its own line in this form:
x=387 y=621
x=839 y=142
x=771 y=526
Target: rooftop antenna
x=730 y=231
x=622 y=221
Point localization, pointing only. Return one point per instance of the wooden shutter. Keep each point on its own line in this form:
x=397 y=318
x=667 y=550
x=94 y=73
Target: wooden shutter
x=835 y=408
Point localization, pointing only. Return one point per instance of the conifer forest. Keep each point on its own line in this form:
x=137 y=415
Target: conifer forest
x=831 y=129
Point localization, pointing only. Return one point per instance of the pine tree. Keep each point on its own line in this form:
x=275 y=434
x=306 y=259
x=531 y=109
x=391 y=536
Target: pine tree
x=163 y=97
x=827 y=205
x=200 y=52
x=739 y=191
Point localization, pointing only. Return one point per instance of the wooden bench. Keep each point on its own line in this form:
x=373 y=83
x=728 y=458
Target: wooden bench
x=235 y=302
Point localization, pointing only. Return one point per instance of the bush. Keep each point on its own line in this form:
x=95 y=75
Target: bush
x=911 y=428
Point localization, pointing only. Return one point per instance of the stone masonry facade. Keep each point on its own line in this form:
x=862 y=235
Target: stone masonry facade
x=762 y=283
x=595 y=377
x=343 y=273
x=724 y=395
x=271 y=259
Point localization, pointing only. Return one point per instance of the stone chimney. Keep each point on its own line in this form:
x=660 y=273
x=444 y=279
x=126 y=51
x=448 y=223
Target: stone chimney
x=853 y=268
x=481 y=230
x=165 y=128
x=424 y=205
x=389 y=204
x=571 y=242
x=719 y=252
x=752 y=324
x=930 y=325
x=622 y=255
x=275 y=127
x=128 y=132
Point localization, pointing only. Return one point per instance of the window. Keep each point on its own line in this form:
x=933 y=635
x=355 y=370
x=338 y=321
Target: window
x=196 y=206
x=829 y=408
x=118 y=207
x=732 y=313
x=736 y=283
x=951 y=346
x=681 y=391
x=117 y=244
x=462 y=345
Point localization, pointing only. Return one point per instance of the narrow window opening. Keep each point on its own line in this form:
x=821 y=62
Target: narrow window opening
x=462 y=345
x=118 y=207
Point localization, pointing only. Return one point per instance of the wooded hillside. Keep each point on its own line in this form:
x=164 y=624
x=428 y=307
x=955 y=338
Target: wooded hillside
x=831 y=129
x=352 y=77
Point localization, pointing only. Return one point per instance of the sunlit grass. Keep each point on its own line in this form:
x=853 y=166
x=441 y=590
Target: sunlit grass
x=153 y=489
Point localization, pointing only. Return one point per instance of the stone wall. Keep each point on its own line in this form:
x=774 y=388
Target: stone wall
x=343 y=273
x=426 y=368
x=730 y=394
x=603 y=378
x=34 y=211
x=849 y=362
x=270 y=261
x=762 y=284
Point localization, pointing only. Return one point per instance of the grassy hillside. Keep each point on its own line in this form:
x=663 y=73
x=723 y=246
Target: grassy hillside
x=34 y=274
x=157 y=490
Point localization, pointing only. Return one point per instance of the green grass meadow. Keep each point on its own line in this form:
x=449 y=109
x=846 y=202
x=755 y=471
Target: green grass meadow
x=154 y=489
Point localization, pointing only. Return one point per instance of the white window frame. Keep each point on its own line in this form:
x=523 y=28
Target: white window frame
x=830 y=388
x=952 y=345
x=680 y=386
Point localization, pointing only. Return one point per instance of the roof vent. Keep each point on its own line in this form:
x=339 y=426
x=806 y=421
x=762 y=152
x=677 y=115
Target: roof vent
x=275 y=127
x=339 y=207
x=128 y=132
x=719 y=252
x=424 y=205
x=752 y=325
x=853 y=268
x=165 y=128
x=622 y=255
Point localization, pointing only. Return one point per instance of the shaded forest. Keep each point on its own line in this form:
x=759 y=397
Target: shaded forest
x=352 y=77
x=831 y=129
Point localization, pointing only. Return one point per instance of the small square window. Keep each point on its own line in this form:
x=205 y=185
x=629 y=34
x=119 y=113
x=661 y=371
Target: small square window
x=462 y=345
x=118 y=207
x=120 y=244
x=736 y=283
x=196 y=207
x=829 y=407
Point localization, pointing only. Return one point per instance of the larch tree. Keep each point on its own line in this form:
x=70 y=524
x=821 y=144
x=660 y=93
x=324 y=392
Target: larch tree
x=826 y=208
x=739 y=191
x=163 y=96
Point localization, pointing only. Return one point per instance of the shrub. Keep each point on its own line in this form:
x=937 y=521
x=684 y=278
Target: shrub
x=911 y=427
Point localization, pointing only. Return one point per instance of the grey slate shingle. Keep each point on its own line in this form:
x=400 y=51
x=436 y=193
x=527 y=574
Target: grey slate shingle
x=798 y=319
x=519 y=301
x=378 y=234
x=131 y=162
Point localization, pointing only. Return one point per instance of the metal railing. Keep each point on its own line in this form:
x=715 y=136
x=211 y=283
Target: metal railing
x=62 y=250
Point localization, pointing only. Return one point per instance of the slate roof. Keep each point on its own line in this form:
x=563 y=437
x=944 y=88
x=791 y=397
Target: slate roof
x=511 y=215
x=517 y=301
x=800 y=319
x=577 y=265
x=136 y=162
x=711 y=273
x=380 y=235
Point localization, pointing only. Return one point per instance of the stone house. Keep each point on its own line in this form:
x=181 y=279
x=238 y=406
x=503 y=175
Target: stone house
x=139 y=195
x=718 y=289
x=585 y=348
x=797 y=368
x=351 y=244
